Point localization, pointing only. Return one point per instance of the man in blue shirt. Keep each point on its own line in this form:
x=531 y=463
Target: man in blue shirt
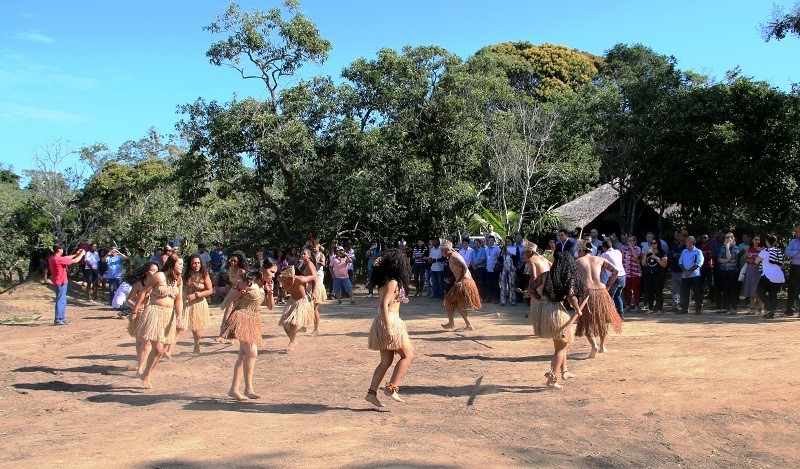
x=114 y=260
x=690 y=261
x=793 y=282
x=479 y=264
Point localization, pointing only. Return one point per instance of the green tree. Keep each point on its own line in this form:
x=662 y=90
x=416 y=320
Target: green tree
x=782 y=23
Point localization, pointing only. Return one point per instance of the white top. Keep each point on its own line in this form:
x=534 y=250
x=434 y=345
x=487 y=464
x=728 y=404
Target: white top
x=121 y=295
x=773 y=272
x=436 y=253
x=467 y=255
x=614 y=256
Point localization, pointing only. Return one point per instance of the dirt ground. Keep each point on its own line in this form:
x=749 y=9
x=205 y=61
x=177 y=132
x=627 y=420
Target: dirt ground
x=695 y=391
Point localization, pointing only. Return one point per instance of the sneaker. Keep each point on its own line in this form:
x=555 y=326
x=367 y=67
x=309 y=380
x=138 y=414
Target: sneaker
x=340 y=302
x=352 y=302
x=61 y=323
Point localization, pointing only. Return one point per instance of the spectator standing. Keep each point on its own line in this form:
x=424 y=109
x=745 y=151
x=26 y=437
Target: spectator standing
x=493 y=270
x=691 y=261
x=772 y=278
x=654 y=269
x=114 y=260
x=491 y=232
x=596 y=240
x=479 y=265
x=58 y=264
x=372 y=254
x=139 y=260
x=715 y=294
x=706 y=270
x=466 y=252
x=631 y=260
x=205 y=256
x=614 y=256
x=564 y=244
x=436 y=261
x=676 y=271
x=91 y=273
x=341 y=278
x=217 y=261
x=728 y=266
x=352 y=255
x=508 y=276
x=793 y=282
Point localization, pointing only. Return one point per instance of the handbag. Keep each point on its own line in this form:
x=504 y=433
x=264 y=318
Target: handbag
x=741 y=272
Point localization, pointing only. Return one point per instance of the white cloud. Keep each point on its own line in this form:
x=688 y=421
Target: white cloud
x=35 y=37
x=16 y=113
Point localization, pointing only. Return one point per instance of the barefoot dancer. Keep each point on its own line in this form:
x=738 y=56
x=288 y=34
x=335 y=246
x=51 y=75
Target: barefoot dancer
x=536 y=265
x=165 y=310
x=317 y=290
x=299 y=310
x=267 y=281
x=142 y=346
x=196 y=315
x=464 y=293
x=391 y=273
x=550 y=319
x=237 y=268
x=243 y=323
x=600 y=310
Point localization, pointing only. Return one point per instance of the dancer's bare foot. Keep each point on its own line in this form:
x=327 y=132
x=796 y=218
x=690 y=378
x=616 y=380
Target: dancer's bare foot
x=131 y=367
x=146 y=382
x=393 y=395
x=220 y=340
x=567 y=375
x=373 y=399
x=449 y=325
x=554 y=385
x=166 y=357
x=552 y=380
x=469 y=327
x=291 y=346
x=593 y=353
x=315 y=332
x=251 y=395
x=603 y=349
x=237 y=395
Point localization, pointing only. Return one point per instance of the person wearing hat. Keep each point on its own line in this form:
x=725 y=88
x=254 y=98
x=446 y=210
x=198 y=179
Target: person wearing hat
x=341 y=280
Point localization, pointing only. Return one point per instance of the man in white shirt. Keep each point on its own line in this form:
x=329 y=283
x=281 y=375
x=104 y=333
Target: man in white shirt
x=614 y=256
x=204 y=255
x=466 y=252
x=436 y=261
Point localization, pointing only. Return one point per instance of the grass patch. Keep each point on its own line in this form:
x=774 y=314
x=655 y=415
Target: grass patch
x=21 y=319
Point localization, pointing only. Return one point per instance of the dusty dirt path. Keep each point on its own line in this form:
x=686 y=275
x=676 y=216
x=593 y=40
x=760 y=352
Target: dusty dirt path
x=694 y=391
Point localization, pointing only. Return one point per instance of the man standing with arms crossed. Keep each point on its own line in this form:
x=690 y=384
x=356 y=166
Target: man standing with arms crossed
x=58 y=264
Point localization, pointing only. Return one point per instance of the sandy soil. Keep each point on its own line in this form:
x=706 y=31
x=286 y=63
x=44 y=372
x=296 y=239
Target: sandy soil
x=695 y=391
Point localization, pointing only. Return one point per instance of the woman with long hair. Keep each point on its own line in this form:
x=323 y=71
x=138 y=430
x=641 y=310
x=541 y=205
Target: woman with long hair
x=391 y=273
x=237 y=269
x=299 y=310
x=550 y=320
x=280 y=257
x=137 y=280
x=164 y=291
x=243 y=322
x=318 y=293
x=197 y=288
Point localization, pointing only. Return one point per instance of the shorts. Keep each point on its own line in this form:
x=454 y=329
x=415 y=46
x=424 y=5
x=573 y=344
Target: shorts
x=89 y=275
x=340 y=284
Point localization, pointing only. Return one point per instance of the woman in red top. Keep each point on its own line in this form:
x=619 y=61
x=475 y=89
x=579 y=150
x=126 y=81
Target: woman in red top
x=752 y=275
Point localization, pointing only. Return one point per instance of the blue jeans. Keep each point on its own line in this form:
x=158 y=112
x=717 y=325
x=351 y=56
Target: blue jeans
x=437 y=282
x=616 y=292
x=113 y=284
x=61 y=302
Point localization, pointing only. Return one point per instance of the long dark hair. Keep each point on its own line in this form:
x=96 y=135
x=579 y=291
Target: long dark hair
x=241 y=258
x=564 y=279
x=139 y=274
x=168 y=265
x=391 y=265
x=187 y=267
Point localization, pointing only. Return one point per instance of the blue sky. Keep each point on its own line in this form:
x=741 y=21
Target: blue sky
x=91 y=71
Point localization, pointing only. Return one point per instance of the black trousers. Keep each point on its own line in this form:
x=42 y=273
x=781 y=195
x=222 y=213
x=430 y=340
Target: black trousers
x=792 y=287
x=729 y=286
x=694 y=285
x=768 y=293
x=419 y=277
x=653 y=283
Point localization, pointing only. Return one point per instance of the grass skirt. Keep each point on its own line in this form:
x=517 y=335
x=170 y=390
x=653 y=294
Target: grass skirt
x=228 y=298
x=598 y=314
x=298 y=312
x=463 y=295
x=133 y=325
x=157 y=323
x=196 y=315
x=322 y=294
x=244 y=325
x=396 y=339
x=549 y=321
